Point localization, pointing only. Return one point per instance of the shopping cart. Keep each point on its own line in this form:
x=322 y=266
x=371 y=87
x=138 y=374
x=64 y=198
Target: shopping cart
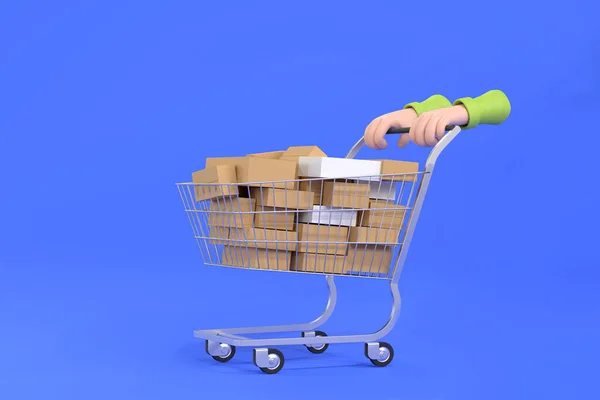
x=251 y=226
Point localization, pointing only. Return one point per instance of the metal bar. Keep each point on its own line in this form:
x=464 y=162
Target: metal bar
x=316 y=340
x=208 y=334
x=412 y=223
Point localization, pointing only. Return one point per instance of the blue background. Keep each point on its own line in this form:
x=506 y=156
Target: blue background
x=105 y=105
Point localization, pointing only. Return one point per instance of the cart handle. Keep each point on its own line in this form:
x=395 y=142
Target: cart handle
x=433 y=155
x=406 y=130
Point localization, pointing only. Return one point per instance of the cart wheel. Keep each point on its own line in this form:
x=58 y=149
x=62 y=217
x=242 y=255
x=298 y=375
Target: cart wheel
x=385 y=354
x=227 y=352
x=320 y=349
x=275 y=362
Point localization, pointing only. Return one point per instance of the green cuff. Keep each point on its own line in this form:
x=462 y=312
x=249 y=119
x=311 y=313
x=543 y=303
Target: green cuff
x=491 y=108
x=434 y=102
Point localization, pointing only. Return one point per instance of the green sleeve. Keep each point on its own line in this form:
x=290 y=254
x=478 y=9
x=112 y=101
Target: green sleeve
x=491 y=108
x=434 y=102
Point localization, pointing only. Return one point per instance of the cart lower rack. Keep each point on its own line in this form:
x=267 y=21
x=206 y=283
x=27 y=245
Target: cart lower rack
x=250 y=227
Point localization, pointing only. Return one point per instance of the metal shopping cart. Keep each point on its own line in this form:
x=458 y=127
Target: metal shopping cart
x=251 y=226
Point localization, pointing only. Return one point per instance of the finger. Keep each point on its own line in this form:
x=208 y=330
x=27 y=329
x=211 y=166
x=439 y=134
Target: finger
x=440 y=129
x=430 y=131
x=416 y=131
x=370 y=131
x=379 y=134
x=404 y=140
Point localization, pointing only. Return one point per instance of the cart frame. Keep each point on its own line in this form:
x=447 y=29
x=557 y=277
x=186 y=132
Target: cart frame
x=221 y=343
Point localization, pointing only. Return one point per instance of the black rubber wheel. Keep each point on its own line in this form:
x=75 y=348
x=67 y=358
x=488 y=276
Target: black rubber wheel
x=278 y=367
x=221 y=358
x=317 y=350
x=387 y=360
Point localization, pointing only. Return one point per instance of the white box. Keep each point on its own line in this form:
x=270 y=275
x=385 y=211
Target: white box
x=383 y=190
x=329 y=216
x=334 y=168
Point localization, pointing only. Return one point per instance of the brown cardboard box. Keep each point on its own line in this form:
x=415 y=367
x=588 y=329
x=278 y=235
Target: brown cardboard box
x=264 y=238
x=294 y=152
x=382 y=215
x=345 y=194
x=259 y=169
x=218 y=232
x=274 y=155
x=256 y=258
x=315 y=186
x=322 y=263
x=369 y=259
x=328 y=236
x=283 y=198
x=373 y=235
x=399 y=167
x=226 y=212
x=274 y=218
x=218 y=174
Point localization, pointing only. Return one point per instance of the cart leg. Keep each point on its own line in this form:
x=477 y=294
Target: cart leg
x=310 y=326
x=227 y=336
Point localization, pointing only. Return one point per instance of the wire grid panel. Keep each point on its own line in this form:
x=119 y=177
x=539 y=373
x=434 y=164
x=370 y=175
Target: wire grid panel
x=346 y=226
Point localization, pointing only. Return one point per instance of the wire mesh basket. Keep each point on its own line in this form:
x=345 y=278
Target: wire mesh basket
x=346 y=226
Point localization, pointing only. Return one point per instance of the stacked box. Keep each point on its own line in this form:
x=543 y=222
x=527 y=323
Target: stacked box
x=283 y=198
x=220 y=233
x=382 y=214
x=343 y=221
x=251 y=257
x=399 y=167
x=253 y=170
x=345 y=194
x=222 y=179
x=263 y=238
x=232 y=212
x=331 y=239
x=274 y=218
x=320 y=263
x=315 y=186
x=295 y=152
x=368 y=259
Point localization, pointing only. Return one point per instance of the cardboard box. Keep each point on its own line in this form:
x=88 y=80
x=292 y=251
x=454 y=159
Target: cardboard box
x=334 y=168
x=274 y=218
x=368 y=259
x=373 y=235
x=256 y=258
x=399 y=167
x=345 y=194
x=274 y=155
x=383 y=190
x=329 y=216
x=331 y=239
x=220 y=233
x=294 y=152
x=250 y=170
x=220 y=174
x=315 y=186
x=320 y=263
x=283 y=198
x=382 y=214
x=263 y=238
x=226 y=213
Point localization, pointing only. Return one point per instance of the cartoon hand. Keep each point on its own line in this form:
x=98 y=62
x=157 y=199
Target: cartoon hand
x=491 y=108
x=376 y=130
x=430 y=127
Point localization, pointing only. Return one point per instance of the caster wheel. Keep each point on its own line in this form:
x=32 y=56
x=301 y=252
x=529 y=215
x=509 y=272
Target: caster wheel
x=383 y=356
x=317 y=349
x=272 y=363
x=227 y=352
